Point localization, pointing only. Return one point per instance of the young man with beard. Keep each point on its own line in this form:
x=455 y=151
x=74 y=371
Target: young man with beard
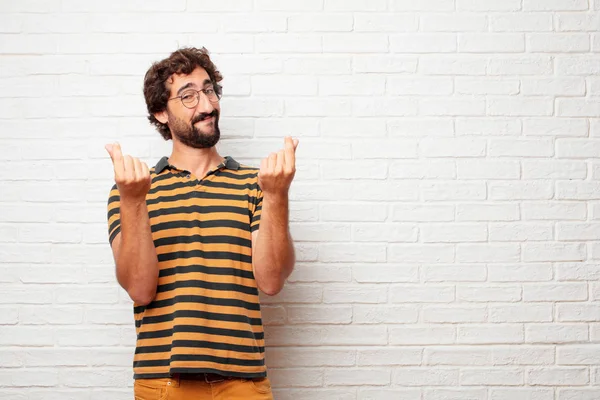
x=187 y=245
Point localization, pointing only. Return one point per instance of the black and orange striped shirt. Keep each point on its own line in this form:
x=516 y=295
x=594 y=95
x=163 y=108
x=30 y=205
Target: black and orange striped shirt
x=206 y=314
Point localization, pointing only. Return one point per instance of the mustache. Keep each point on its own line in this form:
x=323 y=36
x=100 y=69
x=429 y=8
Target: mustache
x=201 y=116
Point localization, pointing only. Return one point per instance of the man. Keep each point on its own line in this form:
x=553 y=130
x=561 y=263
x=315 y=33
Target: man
x=187 y=245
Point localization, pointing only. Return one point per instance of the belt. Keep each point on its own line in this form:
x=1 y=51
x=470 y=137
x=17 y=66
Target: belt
x=208 y=378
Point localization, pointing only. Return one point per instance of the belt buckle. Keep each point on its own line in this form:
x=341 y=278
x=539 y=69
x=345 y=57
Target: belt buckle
x=209 y=380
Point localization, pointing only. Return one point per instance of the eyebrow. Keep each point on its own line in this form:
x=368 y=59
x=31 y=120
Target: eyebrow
x=191 y=84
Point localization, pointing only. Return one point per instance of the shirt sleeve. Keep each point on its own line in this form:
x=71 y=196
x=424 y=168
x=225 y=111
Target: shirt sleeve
x=113 y=214
x=256 y=207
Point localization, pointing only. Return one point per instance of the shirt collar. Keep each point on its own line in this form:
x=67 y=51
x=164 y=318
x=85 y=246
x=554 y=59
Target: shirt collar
x=228 y=163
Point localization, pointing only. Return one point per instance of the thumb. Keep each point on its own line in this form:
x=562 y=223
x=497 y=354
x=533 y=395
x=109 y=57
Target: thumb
x=109 y=149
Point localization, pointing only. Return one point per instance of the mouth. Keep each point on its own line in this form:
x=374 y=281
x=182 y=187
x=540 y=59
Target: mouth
x=205 y=119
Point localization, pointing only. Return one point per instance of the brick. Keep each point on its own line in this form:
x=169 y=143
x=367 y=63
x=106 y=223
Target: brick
x=554 y=169
x=521 y=394
x=362 y=293
x=555 y=5
x=577 y=313
x=553 y=333
x=490 y=334
x=445 y=169
x=288 y=357
x=520 y=107
x=487 y=212
x=526 y=65
x=385 y=273
x=520 y=232
x=384 y=233
x=521 y=22
x=460 y=22
x=489 y=376
x=488 y=293
x=570 y=127
x=355 y=5
x=423 y=43
x=491 y=43
x=578 y=65
x=550 y=87
x=453 y=314
x=453 y=191
x=455 y=106
x=563 y=43
x=558 y=376
x=439 y=64
x=357 y=377
x=337 y=335
x=577 y=272
x=355 y=43
x=522 y=355
x=577 y=22
x=488 y=169
x=487 y=252
x=555 y=292
x=383 y=63
x=487 y=86
x=457 y=355
x=385 y=22
x=422 y=334
x=487 y=5
x=399 y=86
x=520 y=273
x=453 y=233
x=435 y=5
x=426 y=376
x=454 y=273
x=525 y=190
x=521 y=313
x=383 y=314
x=319 y=315
x=455 y=147
x=421 y=253
x=389 y=356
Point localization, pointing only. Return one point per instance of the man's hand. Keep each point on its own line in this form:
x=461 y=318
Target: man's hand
x=277 y=171
x=131 y=175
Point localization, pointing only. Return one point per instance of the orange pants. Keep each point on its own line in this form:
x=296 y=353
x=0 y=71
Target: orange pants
x=183 y=389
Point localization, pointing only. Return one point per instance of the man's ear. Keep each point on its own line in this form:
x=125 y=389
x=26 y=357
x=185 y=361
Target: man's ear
x=162 y=117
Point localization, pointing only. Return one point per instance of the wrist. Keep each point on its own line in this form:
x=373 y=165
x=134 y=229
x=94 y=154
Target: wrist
x=276 y=198
x=132 y=202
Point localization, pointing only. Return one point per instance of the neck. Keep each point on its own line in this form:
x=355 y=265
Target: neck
x=196 y=161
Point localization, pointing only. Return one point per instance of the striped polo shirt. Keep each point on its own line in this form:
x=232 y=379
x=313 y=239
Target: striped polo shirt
x=206 y=314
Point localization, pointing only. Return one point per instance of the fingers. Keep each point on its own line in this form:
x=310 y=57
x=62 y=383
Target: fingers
x=272 y=161
x=280 y=163
x=139 y=173
x=129 y=166
x=290 y=153
x=114 y=151
x=145 y=171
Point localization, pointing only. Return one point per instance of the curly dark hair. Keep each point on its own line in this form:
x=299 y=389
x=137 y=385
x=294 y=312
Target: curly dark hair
x=182 y=61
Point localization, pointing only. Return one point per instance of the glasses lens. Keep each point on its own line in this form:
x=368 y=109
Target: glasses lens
x=190 y=100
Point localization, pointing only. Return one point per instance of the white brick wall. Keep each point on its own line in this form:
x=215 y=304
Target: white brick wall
x=445 y=209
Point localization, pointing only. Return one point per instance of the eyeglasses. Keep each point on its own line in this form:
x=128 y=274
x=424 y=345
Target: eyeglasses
x=191 y=98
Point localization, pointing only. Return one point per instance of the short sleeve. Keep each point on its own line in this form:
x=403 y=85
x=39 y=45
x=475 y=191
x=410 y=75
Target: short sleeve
x=256 y=206
x=113 y=214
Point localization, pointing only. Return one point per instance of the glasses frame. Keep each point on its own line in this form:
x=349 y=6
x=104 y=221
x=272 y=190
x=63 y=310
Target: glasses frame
x=215 y=88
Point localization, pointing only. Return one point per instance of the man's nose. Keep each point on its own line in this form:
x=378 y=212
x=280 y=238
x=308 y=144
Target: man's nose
x=204 y=104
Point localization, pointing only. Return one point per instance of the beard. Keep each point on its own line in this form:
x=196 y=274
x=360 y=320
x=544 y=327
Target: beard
x=191 y=136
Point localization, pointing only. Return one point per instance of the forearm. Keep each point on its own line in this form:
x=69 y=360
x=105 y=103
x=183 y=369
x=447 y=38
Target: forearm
x=273 y=256
x=137 y=263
